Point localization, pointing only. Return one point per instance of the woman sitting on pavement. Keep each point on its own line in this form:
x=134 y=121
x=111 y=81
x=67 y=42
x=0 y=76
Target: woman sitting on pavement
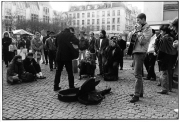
x=112 y=59
x=15 y=70
x=32 y=66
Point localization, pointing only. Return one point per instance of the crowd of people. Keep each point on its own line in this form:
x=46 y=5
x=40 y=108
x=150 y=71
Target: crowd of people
x=60 y=50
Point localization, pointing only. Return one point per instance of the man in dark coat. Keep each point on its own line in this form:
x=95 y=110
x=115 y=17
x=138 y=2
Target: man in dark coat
x=122 y=45
x=101 y=45
x=64 y=56
x=45 y=49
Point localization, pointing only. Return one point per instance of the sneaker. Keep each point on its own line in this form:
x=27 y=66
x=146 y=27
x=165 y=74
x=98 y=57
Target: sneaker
x=57 y=88
x=134 y=99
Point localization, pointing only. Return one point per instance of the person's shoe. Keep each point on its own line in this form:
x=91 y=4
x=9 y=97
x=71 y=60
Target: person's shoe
x=51 y=69
x=163 y=92
x=57 y=88
x=159 y=84
x=146 y=78
x=121 y=68
x=134 y=99
x=141 y=95
x=72 y=87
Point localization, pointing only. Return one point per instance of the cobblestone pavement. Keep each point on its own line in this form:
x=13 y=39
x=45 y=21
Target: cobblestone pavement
x=37 y=100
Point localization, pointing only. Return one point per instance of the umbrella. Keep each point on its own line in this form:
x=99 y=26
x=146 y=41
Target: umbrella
x=21 y=32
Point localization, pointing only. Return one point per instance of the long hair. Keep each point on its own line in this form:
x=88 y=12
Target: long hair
x=6 y=32
x=14 y=60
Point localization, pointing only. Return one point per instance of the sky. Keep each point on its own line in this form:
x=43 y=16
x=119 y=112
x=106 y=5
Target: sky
x=64 y=6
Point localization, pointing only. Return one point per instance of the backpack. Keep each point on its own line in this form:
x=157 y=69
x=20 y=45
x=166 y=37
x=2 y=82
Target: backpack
x=27 y=77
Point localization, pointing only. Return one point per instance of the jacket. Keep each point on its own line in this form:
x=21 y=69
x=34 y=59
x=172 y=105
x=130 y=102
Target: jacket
x=92 y=45
x=37 y=45
x=122 y=44
x=143 y=39
x=27 y=63
x=64 y=44
x=151 y=44
x=44 y=42
x=104 y=44
x=50 y=44
x=83 y=44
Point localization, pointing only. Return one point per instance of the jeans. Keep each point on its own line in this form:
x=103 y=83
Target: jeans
x=164 y=79
x=101 y=66
x=60 y=65
x=138 y=67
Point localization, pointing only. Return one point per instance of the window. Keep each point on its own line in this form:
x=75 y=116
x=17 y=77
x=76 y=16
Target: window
x=108 y=20
x=88 y=21
x=82 y=22
x=103 y=13
x=74 y=15
x=118 y=27
x=98 y=28
x=92 y=21
x=70 y=16
x=97 y=21
x=77 y=15
x=34 y=17
x=103 y=27
x=92 y=28
x=77 y=22
x=108 y=27
x=93 y=14
x=113 y=20
x=74 y=22
x=88 y=14
x=118 y=20
x=113 y=13
x=113 y=27
x=103 y=20
x=108 y=13
x=97 y=13
x=118 y=12
x=83 y=15
x=46 y=10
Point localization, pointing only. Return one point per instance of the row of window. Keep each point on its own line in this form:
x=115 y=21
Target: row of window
x=46 y=10
x=46 y=19
x=34 y=17
x=108 y=28
x=97 y=14
x=97 y=21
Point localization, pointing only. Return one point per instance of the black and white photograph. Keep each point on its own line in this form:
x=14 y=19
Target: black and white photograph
x=90 y=60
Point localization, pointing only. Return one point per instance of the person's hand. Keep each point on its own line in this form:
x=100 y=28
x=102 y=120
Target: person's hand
x=75 y=46
x=155 y=54
x=175 y=44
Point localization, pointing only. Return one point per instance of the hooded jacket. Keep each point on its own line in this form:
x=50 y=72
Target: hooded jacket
x=142 y=43
x=6 y=41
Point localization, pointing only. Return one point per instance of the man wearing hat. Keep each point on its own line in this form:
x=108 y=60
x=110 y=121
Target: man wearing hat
x=102 y=44
x=51 y=47
x=83 y=45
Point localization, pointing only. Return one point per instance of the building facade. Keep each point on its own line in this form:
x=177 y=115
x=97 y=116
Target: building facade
x=114 y=17
x=35 y=11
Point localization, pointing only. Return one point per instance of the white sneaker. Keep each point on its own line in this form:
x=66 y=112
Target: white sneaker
x=176 y=110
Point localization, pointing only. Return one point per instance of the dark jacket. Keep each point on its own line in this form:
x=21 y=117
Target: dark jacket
x=83 y=44
x=64 y=40
x=112 y=55
x=50 y=44
x=28 y=43
x=122 y=44
x=92 y=45
x=5 y=43
x=44 y=41
x=15 y=68
x=104 y=44
x=27 y=63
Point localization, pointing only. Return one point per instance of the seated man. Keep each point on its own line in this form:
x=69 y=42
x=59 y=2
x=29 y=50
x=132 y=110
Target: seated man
x=112 y=55
x=30 y=65
x=15 y=70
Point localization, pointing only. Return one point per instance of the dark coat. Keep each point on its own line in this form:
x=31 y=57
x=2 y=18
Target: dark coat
x=122 y=44
x=64 y=40
x=15 y=68
x=5 y=43
x=83 y=44
x=27 y=63
x=28 y=43
x=50 y=44
x=92 y=45
x=104 y=44
x=44 y=41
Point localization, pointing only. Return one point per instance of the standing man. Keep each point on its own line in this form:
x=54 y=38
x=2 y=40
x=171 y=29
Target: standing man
x=51 y=47
x=92 y=45
x=45 y=49
x=64 y=56
x=122 y=45
x=139 y=53
x=102 y=44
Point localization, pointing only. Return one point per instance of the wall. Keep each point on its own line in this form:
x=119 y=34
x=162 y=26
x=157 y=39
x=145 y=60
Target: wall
x=170 y=15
